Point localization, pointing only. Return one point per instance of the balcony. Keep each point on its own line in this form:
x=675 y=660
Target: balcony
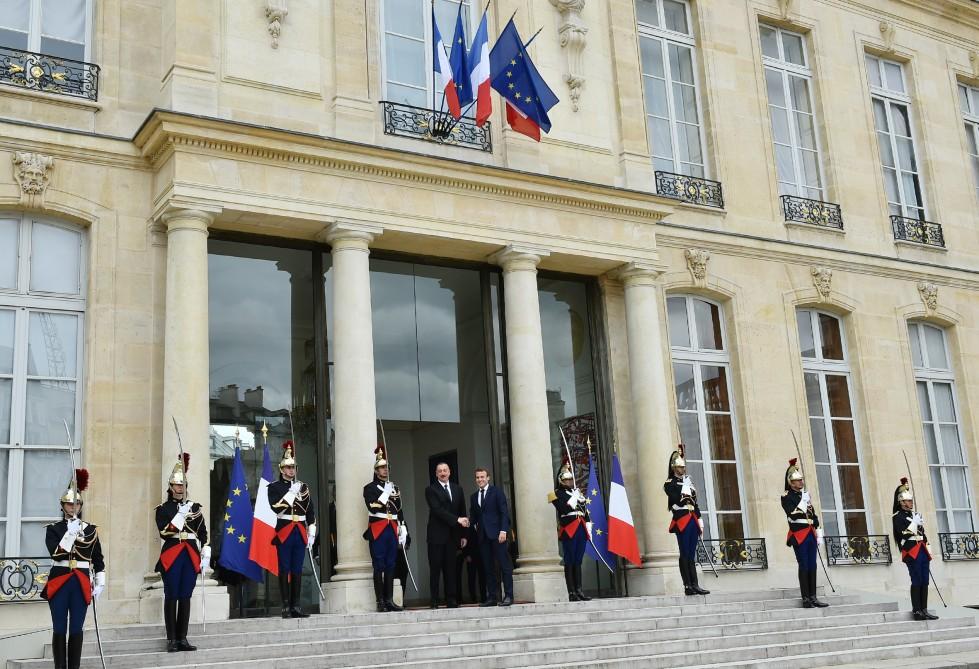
x=732 y=554
x=22 y=579
x=690 y=189
x=917 y=231
x=49 y=74
x=439 y=127
x=812 y=212
x=858 y=550
x=959 y=546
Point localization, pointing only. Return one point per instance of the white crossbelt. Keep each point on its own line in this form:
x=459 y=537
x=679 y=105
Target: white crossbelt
x=915 y=537
x=682 y=507
x=573 y=513
x=71 y=564
x=387 y=516
x=289 y=516
x=798 y=521
x=186 y=536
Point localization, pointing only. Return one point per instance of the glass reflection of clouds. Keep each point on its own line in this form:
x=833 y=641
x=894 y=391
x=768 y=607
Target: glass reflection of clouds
x=567 y=348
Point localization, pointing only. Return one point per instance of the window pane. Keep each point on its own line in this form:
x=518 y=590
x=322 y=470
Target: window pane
x=944 y=404
x=830 y=525
x=707 y=317
x=943 y=522
x=675 y=14
x=405 y=60
x=890 y=186
x=721 y=436
x=726 y=494
x=32 y=539
x=962 y=521
x=856 y=524
x=839 y=396
x=951 y=445
x=963 y=99
x=769 y=41
x=681 y=63
x=696 y=471
x=688 y=138
x=913 y=337
x=845 y=440
x=851 y=491
x=685 y=390
x=659 y=135
x=810 y=169
x=792 y=45
x=935 y=346
x=645 y=11
x=780 y=131
x=404 y=18
x=806 y=343
x=901 y=120
x=820 y=446
x=873 y=71
x=813 y=394
x=63 y=48
x=6 y=393
x=827 y=496
x=931 y=444
x=690 y=435
x=775 y=87
x=829 y=331
x=55 y=258
x=912 y=192
x=46 y=475
x=6 y=341
x=938 y=487
x=52 y=345
x=730 y=526
x=416 y=97
x=651 y=51
x=801 y=101
x=63 y=19
x=4 y=463
x=958 y=492
x=8 y=248
x=654 y=92
x=923 y=404
x=892 y=73
x=677 y=315
x=881 y=123
x=685 y=105
x=806 y=129
x=715 y=388
x=784 y=163
x=48 y=404
x=905 y=155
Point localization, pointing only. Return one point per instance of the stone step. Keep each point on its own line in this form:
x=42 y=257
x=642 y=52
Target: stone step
x=966 y=660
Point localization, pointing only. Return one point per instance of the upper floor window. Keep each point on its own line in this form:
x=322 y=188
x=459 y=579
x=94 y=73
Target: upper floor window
x=969 y=102
x=895 y=137
x=674 y=122
x=407 y=49
x=788 y=79
x=53 y=27
x=41 y=317
x=705 y=407
x=939 y=407
x=826 y=372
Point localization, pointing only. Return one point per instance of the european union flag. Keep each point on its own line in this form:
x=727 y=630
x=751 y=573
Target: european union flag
x=597 y=548
x=514 y=76
x=236 y=529
x=459 y=61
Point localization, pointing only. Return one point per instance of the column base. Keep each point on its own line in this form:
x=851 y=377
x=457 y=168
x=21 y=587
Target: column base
x=653 y=580
x=540 y=587
x=353 y=596
x=217 y=601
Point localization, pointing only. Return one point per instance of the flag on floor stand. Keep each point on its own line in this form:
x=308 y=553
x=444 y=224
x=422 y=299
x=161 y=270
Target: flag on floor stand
x=512 y=74
x=597 y=548
x=262 y=551
x=459 y=62
x=479 y=72
x=236 y=531
x=622 y=531
x=443 y=70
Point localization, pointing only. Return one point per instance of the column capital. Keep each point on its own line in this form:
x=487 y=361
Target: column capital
x=638 y=274
x=519 y=258
x=350 y=234
x=187 y=219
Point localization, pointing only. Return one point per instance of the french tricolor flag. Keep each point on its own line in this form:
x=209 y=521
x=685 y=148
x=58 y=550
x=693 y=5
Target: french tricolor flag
x=261 y=551
x=479 y=72
x=443 y=70
x=622 y=538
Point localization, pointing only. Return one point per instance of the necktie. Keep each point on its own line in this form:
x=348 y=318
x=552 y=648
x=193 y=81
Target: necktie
x=482 y=491
x=447 y=491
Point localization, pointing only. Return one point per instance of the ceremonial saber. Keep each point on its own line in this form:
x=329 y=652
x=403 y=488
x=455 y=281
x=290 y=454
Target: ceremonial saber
x=183 y=466
x=914 y=502
x=98 y=634
x=700 y=535
x=798 y=451
x=404 y=551
x=309 y=546
x=567 y=450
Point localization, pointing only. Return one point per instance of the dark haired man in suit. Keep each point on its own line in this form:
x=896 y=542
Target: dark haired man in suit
x=446 y=520
x=489 y=514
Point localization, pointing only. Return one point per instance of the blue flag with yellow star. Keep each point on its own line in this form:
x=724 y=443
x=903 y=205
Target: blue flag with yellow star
x=237 y=527
x=597 y=548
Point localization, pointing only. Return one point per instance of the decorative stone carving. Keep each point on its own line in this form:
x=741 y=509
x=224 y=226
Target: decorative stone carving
x=785 y=8
x=697 y=264
x=888 y=32
x=33 y=172
x=822 y=279
x=929 y=295
x=974 y=61
x=275 y=12
x=572 y=32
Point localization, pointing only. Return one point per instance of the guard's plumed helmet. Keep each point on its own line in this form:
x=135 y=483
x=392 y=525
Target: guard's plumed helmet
x=793 y=473
x=566 y=474
x=76 y=486
x=288 y=454
x=902 y=493
x=380 y=459
x=179 y=473
x=676 y=460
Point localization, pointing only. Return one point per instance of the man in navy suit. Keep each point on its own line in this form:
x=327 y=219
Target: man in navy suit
x=489 y=514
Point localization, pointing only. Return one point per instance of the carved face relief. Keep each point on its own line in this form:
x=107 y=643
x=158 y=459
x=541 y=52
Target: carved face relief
x=822 y=279
x=697 y=263
x=31 y=171
x=929 y=294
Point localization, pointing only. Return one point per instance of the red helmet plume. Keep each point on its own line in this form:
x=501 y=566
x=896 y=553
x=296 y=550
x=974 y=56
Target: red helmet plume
x=904 y=480
x=186 y=457
x=81 y=479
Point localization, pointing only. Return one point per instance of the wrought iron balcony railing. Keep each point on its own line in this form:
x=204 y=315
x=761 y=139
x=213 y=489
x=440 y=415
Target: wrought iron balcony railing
x=440 y=127
x=857 y=549
x=22 y=578
x=813 y=212
x=690 y=189
x=733 y=554
x=38 y=72
x=920 y=232
x=959 y=546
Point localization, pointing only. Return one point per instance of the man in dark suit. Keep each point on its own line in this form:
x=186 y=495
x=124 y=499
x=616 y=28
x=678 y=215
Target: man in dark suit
x=446 y=520
x=490 y=516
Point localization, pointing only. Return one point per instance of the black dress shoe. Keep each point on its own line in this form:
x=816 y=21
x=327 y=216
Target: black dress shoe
x=452 y=604
x=507 y=601
x=488 y=602
x=183 y=644
x=928 y=615
x=573 y=597
x=806 y=603
x=389 y=605
x=433 y=605
x=918 y=615
x=700 y=591
x=582 y=597
x=172 y=646
x=298 y=613
x=818 y=604
x=689 y=591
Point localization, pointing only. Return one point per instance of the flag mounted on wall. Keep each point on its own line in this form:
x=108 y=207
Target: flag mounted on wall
x=443 y=71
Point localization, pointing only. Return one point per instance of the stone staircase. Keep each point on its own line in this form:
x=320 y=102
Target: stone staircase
x=757 y=629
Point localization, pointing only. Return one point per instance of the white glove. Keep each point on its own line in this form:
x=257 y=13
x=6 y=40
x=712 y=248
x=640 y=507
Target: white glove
x=68 y=541
x=588 y=528
x=99 y=584
x=916 y=522
x=296 y=487
x=700 y=523
x=805 y=501
x=576 y=498
x=819 y=537
x=402 y=534
x=185 y=508
x=74 y=525
x=311 y=533
x=205 y=558
x=687 y=488
x=386 y=494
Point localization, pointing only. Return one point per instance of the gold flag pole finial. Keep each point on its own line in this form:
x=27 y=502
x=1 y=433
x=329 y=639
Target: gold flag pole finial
x=265 y=433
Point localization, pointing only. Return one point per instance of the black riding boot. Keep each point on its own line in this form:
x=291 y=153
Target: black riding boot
x=389 y=604
x=75 y=650
x=285 y=594
x=924 y=603
x=812 y=592
x=183 y=622
x=379 y=590
x=804 y=588
x=694 y=582
x=916 y=603
x=170 y=621
x=59 y=649
x=569 y=581
x=296 y=588
x=582 y=597
x=685 y=575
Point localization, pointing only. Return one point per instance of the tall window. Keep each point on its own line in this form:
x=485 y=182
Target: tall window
x=407 y=35
x=702 y=376
x=826 y=370
x=938 y=404
x=895 y=137
x=41 y=311
x=52 y=27
x=969 y=102
x=674 y=125
x=788 y=78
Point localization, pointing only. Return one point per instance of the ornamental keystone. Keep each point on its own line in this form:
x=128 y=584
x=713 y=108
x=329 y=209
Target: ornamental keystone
x=697 y=264
x=822 y=279
x=276 y=12
x=929 y=295
x=32 y=171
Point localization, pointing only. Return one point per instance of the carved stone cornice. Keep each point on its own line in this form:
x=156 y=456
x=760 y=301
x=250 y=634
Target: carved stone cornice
x=572 y=33
x=276 y=12
x=32 y=172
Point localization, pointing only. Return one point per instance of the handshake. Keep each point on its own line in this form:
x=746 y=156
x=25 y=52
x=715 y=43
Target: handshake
x=463 y=521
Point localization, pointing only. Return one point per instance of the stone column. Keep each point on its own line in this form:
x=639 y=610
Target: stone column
x=354 y=413
x=537 y=576
x=653 y=425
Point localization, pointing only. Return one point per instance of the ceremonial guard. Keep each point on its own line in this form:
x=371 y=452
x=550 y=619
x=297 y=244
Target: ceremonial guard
x=386 y=530
x=909 y=534
x=184 y=554
x=574 y=529
x=76 y=554
x=804 y=535
x=295 y=528
x=686 y=524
